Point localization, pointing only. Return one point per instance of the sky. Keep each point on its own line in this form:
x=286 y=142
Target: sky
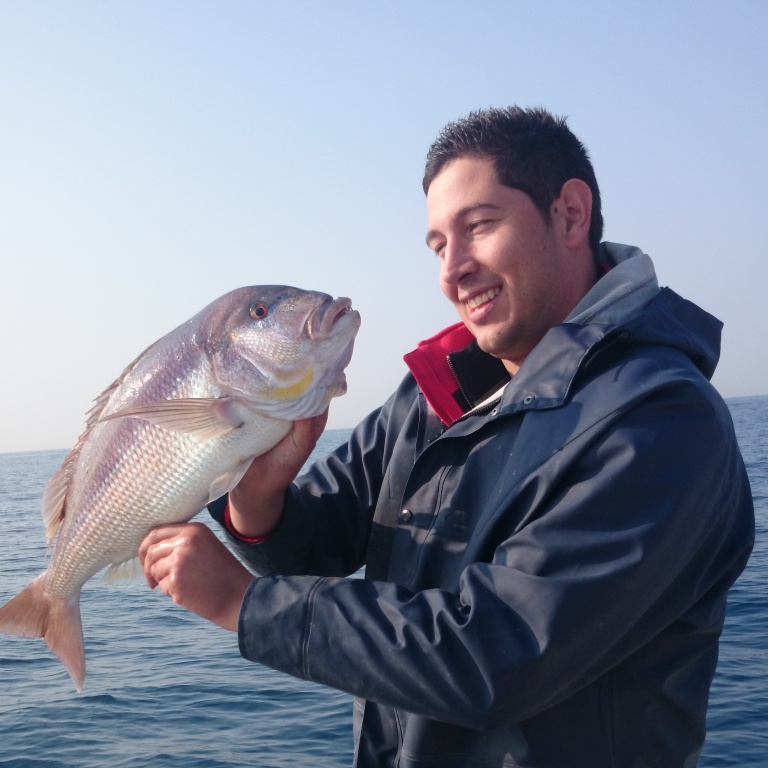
x=154 y=156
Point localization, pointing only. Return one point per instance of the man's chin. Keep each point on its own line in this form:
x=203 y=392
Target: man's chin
x=494 y=346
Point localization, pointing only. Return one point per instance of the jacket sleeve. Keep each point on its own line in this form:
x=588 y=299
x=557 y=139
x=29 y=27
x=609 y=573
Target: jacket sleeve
x=328 y=510
x=640 y=537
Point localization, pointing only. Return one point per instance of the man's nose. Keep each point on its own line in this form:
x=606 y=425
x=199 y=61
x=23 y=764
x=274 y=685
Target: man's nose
x=457 y=262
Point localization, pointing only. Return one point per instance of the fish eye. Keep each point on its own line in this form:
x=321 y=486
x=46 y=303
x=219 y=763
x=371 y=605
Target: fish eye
x=259 y=310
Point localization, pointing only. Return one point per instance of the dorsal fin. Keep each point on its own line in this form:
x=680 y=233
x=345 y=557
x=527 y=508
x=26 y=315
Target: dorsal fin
x=94 y=414
x=55 y=493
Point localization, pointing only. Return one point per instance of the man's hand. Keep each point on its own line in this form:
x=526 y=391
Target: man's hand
x=193 y=567
x=256 y=502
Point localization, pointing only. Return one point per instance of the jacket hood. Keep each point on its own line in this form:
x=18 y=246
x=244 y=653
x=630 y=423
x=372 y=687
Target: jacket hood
x=677 y=322
x=455 y=375
x=626 y=288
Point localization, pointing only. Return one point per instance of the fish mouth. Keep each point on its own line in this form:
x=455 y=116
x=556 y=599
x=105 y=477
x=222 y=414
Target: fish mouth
x=322 y=320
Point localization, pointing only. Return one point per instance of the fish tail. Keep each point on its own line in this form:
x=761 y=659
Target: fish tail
x=33 y=613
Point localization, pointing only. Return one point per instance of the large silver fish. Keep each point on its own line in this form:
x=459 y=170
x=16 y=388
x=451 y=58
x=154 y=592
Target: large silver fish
x=176 y=430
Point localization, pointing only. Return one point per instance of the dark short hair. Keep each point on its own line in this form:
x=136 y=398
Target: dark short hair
x=531 y=150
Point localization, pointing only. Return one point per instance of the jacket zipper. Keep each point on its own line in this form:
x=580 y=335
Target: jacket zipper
x=458 y=381
x=477 y=410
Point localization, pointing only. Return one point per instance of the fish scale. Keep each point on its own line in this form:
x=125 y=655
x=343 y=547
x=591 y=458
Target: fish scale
x=176 y=430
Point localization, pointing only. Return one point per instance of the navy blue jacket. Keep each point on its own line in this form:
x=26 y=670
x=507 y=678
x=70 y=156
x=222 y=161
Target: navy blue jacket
x=546 y=578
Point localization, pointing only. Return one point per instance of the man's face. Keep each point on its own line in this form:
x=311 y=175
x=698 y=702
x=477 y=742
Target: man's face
x=506 y=267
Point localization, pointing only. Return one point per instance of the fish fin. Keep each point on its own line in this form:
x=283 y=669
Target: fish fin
x=32 y=613
x=64 y=635
x=94 y=414
x=226 y=482
x=203 y=417
x=26 y=614
x=128 y=570
x=55 y=494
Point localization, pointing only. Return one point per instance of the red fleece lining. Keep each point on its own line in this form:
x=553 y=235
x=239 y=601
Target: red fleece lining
x=429 y=365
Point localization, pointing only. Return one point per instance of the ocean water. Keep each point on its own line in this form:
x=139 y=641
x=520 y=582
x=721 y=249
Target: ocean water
x=167 y=689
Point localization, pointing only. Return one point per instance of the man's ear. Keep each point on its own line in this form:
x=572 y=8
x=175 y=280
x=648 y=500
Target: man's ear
x=572 y=210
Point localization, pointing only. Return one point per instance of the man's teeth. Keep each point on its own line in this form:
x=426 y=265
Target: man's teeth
x=481 y=298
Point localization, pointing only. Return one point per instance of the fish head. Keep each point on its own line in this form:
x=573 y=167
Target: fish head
x=279 y=349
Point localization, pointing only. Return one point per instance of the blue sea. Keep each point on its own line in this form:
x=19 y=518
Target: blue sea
x=165 y=688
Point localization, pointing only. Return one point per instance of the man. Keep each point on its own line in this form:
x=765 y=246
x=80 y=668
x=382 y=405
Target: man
x=551 y=507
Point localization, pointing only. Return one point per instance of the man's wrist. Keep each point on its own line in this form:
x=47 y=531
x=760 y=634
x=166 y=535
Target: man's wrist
x=234 y=533
x=247 y=521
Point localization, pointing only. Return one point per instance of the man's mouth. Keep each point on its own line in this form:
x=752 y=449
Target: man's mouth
x=481 y=298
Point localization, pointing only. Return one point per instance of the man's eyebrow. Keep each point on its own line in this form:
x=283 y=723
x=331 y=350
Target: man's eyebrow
x=463 y=212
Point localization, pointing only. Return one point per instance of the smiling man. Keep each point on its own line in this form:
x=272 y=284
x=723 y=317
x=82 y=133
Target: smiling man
x=511 y=270
x=550 y=509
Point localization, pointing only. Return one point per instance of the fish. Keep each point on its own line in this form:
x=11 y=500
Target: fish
x=175 y=431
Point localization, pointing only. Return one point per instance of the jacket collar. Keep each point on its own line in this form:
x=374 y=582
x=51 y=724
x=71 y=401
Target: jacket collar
x=454 y=374
x=440 y=363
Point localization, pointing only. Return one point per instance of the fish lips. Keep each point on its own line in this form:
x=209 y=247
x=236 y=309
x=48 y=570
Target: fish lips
x=322 y=321
x=335 y=319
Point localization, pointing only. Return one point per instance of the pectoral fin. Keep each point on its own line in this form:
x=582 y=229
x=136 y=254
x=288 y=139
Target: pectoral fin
x=203 y=417
x=226 y=482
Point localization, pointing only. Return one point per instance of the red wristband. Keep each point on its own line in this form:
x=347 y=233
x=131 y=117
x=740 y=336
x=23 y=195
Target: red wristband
x=239 y=536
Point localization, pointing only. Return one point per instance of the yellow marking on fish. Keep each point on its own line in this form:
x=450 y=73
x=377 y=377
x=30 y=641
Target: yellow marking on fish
x=292 y=391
